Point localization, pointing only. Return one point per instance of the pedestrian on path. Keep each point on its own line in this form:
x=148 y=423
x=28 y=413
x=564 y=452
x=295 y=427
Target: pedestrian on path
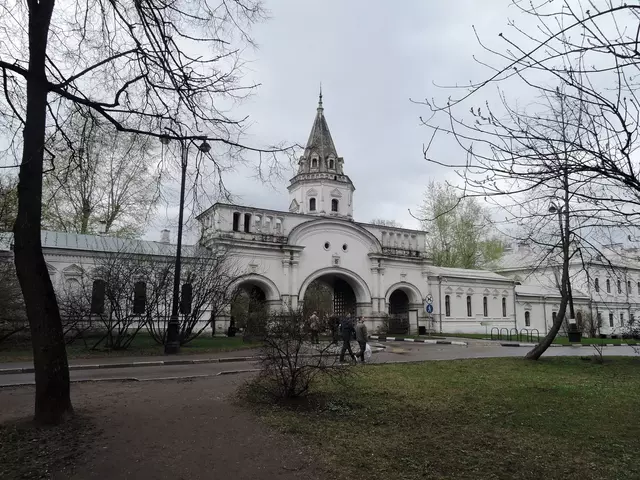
x=346 y=328
x=314 y=327
x=361 y=337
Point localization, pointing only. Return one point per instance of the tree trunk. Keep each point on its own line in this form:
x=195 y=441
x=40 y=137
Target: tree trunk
x=53 y=401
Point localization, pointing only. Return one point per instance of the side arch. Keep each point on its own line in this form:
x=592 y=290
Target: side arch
x=355 y=281
x=413 y=293
x=269 y=288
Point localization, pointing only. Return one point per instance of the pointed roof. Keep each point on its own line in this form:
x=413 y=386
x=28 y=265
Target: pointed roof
x=320 y=140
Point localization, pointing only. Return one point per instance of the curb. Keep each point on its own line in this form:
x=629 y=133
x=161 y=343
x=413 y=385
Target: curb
x=577 y=345
x=153 y=363
x=134 y=379
x=414 y=340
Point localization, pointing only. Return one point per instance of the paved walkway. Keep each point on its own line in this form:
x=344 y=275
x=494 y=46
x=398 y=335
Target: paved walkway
x=395 y=352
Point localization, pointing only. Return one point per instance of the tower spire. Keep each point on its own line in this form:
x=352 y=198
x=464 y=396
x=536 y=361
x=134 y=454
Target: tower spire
x=320 y=98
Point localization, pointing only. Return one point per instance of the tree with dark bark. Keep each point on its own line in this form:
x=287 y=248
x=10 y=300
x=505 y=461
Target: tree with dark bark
x=149 y=67
x=578 y=143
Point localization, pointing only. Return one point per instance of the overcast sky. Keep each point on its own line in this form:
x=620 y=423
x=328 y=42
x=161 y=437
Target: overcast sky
x=372 y=58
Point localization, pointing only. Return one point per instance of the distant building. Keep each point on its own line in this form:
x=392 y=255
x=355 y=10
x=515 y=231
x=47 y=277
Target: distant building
x=606 y=289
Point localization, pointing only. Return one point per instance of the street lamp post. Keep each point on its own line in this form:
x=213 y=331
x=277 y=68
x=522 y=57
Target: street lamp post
x=172 y=342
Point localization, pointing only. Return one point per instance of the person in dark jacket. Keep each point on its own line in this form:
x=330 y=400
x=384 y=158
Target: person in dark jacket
x=361 y=337
x=347 y=330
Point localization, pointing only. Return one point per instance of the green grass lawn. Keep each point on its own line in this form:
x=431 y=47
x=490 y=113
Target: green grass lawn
x=562 y=418
x=142 y=345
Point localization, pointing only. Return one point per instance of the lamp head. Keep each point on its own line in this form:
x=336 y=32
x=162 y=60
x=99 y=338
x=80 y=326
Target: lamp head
x=204 y=147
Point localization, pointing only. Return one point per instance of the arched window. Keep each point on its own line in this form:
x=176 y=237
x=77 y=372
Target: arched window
x=504 y=307
x=527 y=318
x=485 y=307
x=334 y=204
x=314 y=163
x=312 y=204
x=236 y=221
x=97 y=297
x=629 y=287
x=469 y=310
x=619 y=286
x=596 y=285
x=608 y=286
x=139 y=297
x=247 y=222
x=331 y=164
x=447 y=305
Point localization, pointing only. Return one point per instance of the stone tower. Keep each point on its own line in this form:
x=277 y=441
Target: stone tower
x=320 y=187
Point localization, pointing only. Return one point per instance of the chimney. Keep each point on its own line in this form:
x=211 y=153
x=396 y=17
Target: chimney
x=164 y=236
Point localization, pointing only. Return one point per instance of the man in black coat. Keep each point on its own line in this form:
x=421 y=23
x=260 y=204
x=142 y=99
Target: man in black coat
x=347 y=329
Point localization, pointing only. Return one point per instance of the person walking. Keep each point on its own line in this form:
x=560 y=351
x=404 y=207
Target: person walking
x=346 y=328
x=361 y=337
x=314 y=327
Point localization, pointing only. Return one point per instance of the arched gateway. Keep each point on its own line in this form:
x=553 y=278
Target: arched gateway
x=350 y=291
x=317 y=247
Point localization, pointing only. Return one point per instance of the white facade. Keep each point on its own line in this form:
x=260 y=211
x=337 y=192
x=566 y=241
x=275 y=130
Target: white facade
x=605 y=288
x=283 y=252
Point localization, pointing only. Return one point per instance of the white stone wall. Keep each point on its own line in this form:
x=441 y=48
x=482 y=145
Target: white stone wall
x=458 y=289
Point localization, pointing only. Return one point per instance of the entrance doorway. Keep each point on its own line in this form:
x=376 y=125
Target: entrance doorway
x=249 y=306
x=329 y=296
x=398 y=313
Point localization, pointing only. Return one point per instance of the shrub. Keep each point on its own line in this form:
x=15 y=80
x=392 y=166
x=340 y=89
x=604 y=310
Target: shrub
x=289 y=365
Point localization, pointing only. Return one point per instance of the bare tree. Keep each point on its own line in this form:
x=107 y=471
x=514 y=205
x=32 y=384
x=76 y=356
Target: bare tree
x=574 y=145
x=164 y=70
x=109 y=184
x=132 y=291
x=207 y=290
x=8 y=202
x=288 y=366
x=13 y=318
x=385 y=223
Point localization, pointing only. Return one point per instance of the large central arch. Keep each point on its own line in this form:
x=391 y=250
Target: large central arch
x=355 y=281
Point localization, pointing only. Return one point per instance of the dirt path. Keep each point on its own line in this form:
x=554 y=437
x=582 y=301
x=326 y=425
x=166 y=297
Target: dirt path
x=173 y=430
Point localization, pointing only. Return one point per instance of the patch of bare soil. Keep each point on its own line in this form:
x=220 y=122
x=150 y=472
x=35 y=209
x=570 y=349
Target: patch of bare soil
x=35 y=452
x=157 y=430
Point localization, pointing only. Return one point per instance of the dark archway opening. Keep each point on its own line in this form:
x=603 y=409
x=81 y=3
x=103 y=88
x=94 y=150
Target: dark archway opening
x=249 y=309
x=329 y=296
x=398 y=313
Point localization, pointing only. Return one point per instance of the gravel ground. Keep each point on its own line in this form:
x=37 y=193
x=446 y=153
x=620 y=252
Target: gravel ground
x=157 y=430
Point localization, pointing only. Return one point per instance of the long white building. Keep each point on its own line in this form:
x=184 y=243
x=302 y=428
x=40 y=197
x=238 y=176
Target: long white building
x=374 y=271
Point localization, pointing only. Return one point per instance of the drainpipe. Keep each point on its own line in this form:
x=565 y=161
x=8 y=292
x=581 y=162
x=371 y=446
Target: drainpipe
x=440 y=300
x=544 y=312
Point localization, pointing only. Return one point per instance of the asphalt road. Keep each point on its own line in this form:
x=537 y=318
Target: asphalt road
x=394 y=353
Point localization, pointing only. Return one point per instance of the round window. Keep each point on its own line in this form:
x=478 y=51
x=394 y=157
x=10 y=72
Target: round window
x=327 y=245
x=345 y=247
